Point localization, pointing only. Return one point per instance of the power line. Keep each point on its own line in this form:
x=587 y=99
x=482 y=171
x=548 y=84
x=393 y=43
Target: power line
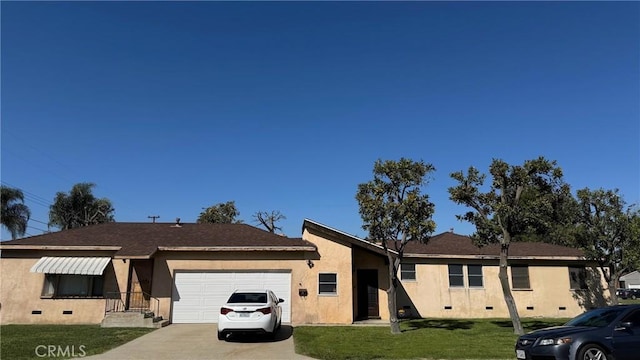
x=31 y=196
x=69 y=170
x=25 y=143
x=47 y=154
x=33 y=227
x=38 y=221
x=36 y=202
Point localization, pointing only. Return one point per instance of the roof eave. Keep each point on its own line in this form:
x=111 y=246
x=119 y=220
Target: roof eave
x=141 y=257
x=236 y=248
x=60 y=247
x=307 y=223
x=492 y=257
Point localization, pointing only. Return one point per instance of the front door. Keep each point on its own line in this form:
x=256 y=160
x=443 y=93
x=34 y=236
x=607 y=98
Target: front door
x=368 y=307
x=141 y=272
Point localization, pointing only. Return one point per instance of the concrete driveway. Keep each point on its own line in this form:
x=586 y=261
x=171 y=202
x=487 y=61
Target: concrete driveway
x=199 y=341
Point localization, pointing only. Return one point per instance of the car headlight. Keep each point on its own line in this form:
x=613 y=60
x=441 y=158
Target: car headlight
x=560 y=341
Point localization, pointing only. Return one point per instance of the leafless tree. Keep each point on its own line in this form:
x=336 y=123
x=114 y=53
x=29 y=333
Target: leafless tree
x=269 y=219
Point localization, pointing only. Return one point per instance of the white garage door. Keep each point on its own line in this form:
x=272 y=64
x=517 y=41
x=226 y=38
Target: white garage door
x=198 y=296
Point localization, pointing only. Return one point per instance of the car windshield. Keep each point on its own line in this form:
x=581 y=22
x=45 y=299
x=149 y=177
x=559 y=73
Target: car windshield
x=244 y=297
x=596 y=318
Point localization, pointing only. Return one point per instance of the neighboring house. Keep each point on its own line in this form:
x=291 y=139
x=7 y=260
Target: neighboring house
x=184 y=272
x=631 y=280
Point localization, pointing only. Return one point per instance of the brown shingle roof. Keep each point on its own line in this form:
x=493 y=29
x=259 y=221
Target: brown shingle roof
x=451 y=244
x=143 y=239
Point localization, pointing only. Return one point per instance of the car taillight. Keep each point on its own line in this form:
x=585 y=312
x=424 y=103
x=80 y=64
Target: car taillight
x=265 y=311
x=225 y=311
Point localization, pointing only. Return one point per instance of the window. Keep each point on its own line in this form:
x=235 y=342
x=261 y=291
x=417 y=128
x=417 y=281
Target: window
x=408 y=271
x=456 y=276
x=578 y=278
x=246 y=297
x=633 y=318
x=520 y=277
x=328 y=284
x=72 y=286
x=474 y=272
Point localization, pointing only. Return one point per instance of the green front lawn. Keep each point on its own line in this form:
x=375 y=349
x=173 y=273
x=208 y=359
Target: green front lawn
x=629 y=301
x=420 y=339
x=62 y=341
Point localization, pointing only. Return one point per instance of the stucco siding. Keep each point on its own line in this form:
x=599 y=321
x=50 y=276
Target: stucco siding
x=20 y=293
x=549 y=294
x=313 y=308
x=166 y=264
x=366 y=260
x=335 y=258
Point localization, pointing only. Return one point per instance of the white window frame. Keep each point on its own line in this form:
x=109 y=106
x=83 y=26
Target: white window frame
x=457 y=275
x=404 y=270
x=520 y=277
x=320 y=283
x=469 y=276
x=53 y=283
x=465 y=276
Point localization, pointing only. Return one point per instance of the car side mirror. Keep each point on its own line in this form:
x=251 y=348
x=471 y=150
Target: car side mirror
x=280 y=301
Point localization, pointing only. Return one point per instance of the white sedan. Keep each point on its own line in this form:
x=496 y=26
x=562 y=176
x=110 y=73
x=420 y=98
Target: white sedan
x=250 y=311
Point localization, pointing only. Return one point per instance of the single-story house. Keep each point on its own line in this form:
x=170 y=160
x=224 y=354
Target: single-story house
x=184 y=272
x=630 y=280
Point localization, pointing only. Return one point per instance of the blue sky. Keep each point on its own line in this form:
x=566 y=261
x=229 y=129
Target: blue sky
x=171 y=107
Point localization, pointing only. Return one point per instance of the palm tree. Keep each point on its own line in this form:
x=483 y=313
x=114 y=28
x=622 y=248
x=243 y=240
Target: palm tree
x=79 y=208
x=14 y=213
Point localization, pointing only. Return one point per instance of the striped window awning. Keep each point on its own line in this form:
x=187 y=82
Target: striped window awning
x=71 y=265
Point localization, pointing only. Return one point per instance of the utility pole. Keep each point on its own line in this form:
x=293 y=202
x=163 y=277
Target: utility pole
x=154 y=217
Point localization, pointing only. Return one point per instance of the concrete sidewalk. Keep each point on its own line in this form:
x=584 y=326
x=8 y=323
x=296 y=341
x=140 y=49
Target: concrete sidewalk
x=199 y=341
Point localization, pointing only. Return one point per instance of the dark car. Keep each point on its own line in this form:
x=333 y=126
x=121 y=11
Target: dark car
x=601 y=334
x=629 y=293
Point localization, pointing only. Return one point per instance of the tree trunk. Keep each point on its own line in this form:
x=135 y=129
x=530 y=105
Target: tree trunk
x=506 y=290
x=391 y=294
x=613 y=286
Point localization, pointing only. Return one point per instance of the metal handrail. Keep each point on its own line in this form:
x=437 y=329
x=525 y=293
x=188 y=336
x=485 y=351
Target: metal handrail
x=113 y=304
x=132 y=301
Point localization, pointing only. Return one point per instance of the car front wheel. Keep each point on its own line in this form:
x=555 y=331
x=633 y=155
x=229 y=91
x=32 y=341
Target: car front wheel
x=592 y=352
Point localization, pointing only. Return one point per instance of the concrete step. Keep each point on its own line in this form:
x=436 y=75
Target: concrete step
x=161 y=323
x=131 y=319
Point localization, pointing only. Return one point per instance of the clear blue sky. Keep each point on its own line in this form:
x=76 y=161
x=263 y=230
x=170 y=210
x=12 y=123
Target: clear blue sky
x=171 y=107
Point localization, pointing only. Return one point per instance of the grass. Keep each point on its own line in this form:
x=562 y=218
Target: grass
x=629 y=301
x=66 y=341
x=420 y=339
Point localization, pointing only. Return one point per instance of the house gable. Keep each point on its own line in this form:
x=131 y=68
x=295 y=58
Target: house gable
x=631 y=279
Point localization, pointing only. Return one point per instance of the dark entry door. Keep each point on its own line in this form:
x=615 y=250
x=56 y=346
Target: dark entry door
x=140 y=274
x=368 y=294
